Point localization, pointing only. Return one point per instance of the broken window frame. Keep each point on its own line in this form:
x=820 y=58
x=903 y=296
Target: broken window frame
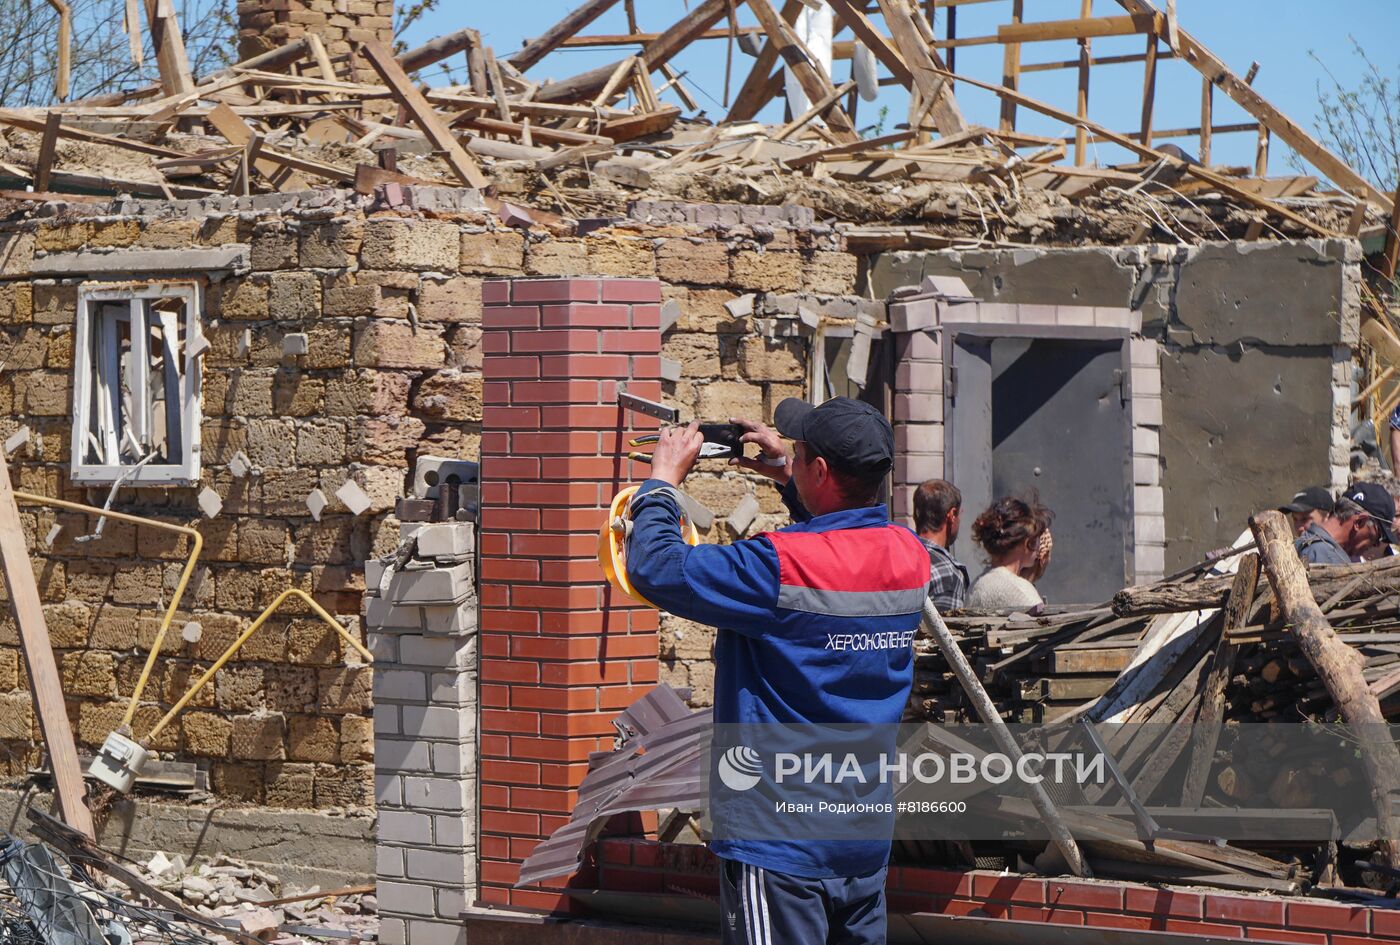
x=182 y=388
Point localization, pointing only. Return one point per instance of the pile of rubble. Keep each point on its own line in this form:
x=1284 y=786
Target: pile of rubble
x=294 y=117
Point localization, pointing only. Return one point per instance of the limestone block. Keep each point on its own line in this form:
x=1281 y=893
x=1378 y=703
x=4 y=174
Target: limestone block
x=417 y=245
x=398 y=345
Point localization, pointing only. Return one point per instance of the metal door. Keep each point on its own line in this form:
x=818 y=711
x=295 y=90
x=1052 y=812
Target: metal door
x=1052 y=419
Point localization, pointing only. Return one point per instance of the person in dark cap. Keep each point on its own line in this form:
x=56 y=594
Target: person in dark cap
x=1362 y=519
x=816 y=629
x=1310 y=506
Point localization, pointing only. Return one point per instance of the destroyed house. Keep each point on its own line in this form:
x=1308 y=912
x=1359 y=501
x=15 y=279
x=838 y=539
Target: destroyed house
x=385 y=344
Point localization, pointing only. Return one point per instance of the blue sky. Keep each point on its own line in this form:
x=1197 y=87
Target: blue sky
x=1279 y=34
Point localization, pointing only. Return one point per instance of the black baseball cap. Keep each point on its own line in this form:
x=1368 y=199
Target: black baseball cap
x=1313 y=498
x=1378 y=503
x=852 y=436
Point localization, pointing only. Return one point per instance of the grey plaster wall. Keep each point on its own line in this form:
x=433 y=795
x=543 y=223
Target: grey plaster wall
x=1256 y=341
x=301 y=848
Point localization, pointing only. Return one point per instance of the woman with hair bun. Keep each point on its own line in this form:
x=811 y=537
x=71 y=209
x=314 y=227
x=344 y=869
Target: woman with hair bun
x=1015 y=534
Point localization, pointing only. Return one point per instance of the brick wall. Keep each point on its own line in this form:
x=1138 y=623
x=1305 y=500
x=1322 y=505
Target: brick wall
x=561 y=652
x=390 y=299
x=639 y=866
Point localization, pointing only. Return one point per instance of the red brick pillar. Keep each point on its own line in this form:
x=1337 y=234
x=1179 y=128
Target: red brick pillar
x=561 y=652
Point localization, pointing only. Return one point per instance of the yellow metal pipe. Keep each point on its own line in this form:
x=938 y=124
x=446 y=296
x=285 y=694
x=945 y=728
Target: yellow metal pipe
x=242 y=639
x=197 y=542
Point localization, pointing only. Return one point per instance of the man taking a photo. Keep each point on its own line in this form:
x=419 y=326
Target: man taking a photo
x=842 y=572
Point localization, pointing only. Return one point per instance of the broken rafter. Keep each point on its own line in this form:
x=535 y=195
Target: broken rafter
x=382 y=60
x=816 y=84
x=1308 y=147
x=555 y=36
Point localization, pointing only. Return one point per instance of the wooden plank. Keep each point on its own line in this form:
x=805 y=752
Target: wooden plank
x=1072 y=658
x=1050 y=30
x=1143 y=150
x=800 y=122
x=498 y=86
x=44 y=680
x=552 y=38
x=517 y=130
x=640 y=126
x=1207 y=117
x=1094 y=61
x=1081 y=106
x=816 y=84
x=854 y=147
x=18 y=120
x=756 y=91
x=1391 y=253
x=48 y=148
x=1308 y=147
x=368 y=177
x=653 y=54
x=1212 y=711
x=381 y=59
x=924 y=66
x=436 y=50
x=1011 y=69
x=236 y=131
x=171 y=59
x=1149 y=88
x=317 y=50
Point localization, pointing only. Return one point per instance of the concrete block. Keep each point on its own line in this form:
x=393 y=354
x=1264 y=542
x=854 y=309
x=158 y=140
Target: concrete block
x=405 y=898
x=1143 y=352
x=422 y=932
x=295 y=343
x=1074 y=316
x=1146 y=441
x=1147 y=500
x=1113 y=317
x=741 y=306
x=919 y=467
x=395 y=826
x=449 y=831
x=453 y=619
x=392 y=931
x=388 y=861
x=1147 y=471
x=437 y=721
x=948 y=288
x=918 y=408
x=446 y=539
x=743 y=515
x=992 y=313
x=1149 y=560
x=437 y=652
x=234 y=256
x=451 y=902
x=1028 y=314
x=452 y=689
x=457 y=760
x=1149 y=528
x=434 y=586
x=918 y=438
x=380 y=613
x=1146 y=381
x=436 y=865
x=1147 y=411
x=389 y=789
x=374 y=575
x=917 y=315
x=209 y=502
x=670 y=314
x=386 y=720
x=445 y=794
x=924 y=346
x=400 y=685
x=354 y=497
x=396 y=755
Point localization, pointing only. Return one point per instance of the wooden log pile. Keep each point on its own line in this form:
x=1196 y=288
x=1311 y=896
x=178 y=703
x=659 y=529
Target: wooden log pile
x=1202 y=673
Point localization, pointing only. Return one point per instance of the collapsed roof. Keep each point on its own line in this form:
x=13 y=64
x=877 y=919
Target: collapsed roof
x=294 y=117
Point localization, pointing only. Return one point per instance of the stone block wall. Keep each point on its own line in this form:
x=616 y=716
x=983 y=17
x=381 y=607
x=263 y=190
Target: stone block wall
x=341 y=24
x=390 y=299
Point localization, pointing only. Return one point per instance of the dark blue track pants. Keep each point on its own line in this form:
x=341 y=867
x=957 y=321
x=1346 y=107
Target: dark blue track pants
x=761 y=907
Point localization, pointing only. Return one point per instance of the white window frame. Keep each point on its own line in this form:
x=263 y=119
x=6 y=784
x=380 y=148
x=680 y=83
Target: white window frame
x=184 y=472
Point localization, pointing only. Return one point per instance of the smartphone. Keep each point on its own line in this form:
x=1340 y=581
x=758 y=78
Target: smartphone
x=727 y=434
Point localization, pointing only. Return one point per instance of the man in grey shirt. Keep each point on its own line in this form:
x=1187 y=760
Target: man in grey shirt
x=1362 y=519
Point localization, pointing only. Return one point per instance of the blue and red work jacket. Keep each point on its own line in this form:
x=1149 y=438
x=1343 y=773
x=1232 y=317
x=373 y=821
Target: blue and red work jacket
x=816 y=625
